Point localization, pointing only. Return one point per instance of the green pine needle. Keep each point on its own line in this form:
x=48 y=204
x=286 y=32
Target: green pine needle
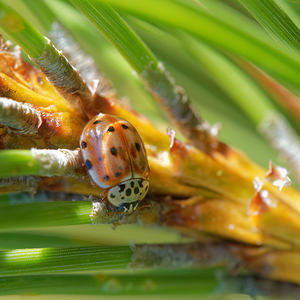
x=21 y=31
x=275 y=21
x=36 y=261
x=26 y=212
x=200 y=283
x=18 y=163
x=219 y=31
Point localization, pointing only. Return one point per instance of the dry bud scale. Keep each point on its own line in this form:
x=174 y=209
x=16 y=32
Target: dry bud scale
x=207 y=196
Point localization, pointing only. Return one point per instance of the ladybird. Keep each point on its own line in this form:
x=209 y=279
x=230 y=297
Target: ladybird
x=115 y=158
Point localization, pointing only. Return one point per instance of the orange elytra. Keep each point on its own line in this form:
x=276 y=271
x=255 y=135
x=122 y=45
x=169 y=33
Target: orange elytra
x=115 y=157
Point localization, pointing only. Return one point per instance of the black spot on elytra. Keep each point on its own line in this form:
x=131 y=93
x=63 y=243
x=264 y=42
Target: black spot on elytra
x=106 y=177
x=83 y=144
x=131 y=183
x=100 y=158
x=122 y=198
x=97 y=122
x=111 y=129
x=112 y=196
x=140 y=183
x=136 y=190
x=147 y=187
x=117 y=174
x=113 y=151
x=122 y=187
x=128 y=192
x=137 y=146
x=125 y=126
x=88 y=164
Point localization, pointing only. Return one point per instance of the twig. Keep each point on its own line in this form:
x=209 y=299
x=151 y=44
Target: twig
x=19 y=116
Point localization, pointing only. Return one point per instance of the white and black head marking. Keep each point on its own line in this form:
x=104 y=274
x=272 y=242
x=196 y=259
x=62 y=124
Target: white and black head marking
x=127 y=195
